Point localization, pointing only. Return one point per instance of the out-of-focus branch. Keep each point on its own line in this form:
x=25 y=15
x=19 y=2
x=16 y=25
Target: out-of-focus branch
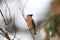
x=22 y=9
x=10 y=17
x=9 y=12
x=5 y=34
x=6 y=30
x=2 y=34
x=3 y=17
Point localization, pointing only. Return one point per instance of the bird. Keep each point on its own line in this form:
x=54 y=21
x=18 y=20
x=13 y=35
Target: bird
x=31 y=25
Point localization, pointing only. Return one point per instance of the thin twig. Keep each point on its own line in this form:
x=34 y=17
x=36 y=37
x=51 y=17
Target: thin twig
x=2 y=34
x=9 y=12
x=32 y=34
x=5 y=33
x=3 y=17
x=8 y=31
x=5 y=24
x=22 y=11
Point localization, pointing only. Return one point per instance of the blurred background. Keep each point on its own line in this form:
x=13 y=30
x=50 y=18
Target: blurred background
x=23 y=32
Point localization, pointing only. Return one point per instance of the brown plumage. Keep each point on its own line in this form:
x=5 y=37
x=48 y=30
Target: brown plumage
x=31 y=25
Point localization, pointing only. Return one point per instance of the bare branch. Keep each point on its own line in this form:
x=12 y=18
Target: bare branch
x=22 y=11
x=9 y=12
x=6 y=21
x=5 y=34
x=2 y=34
x=3 y=17
x=6 y=30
